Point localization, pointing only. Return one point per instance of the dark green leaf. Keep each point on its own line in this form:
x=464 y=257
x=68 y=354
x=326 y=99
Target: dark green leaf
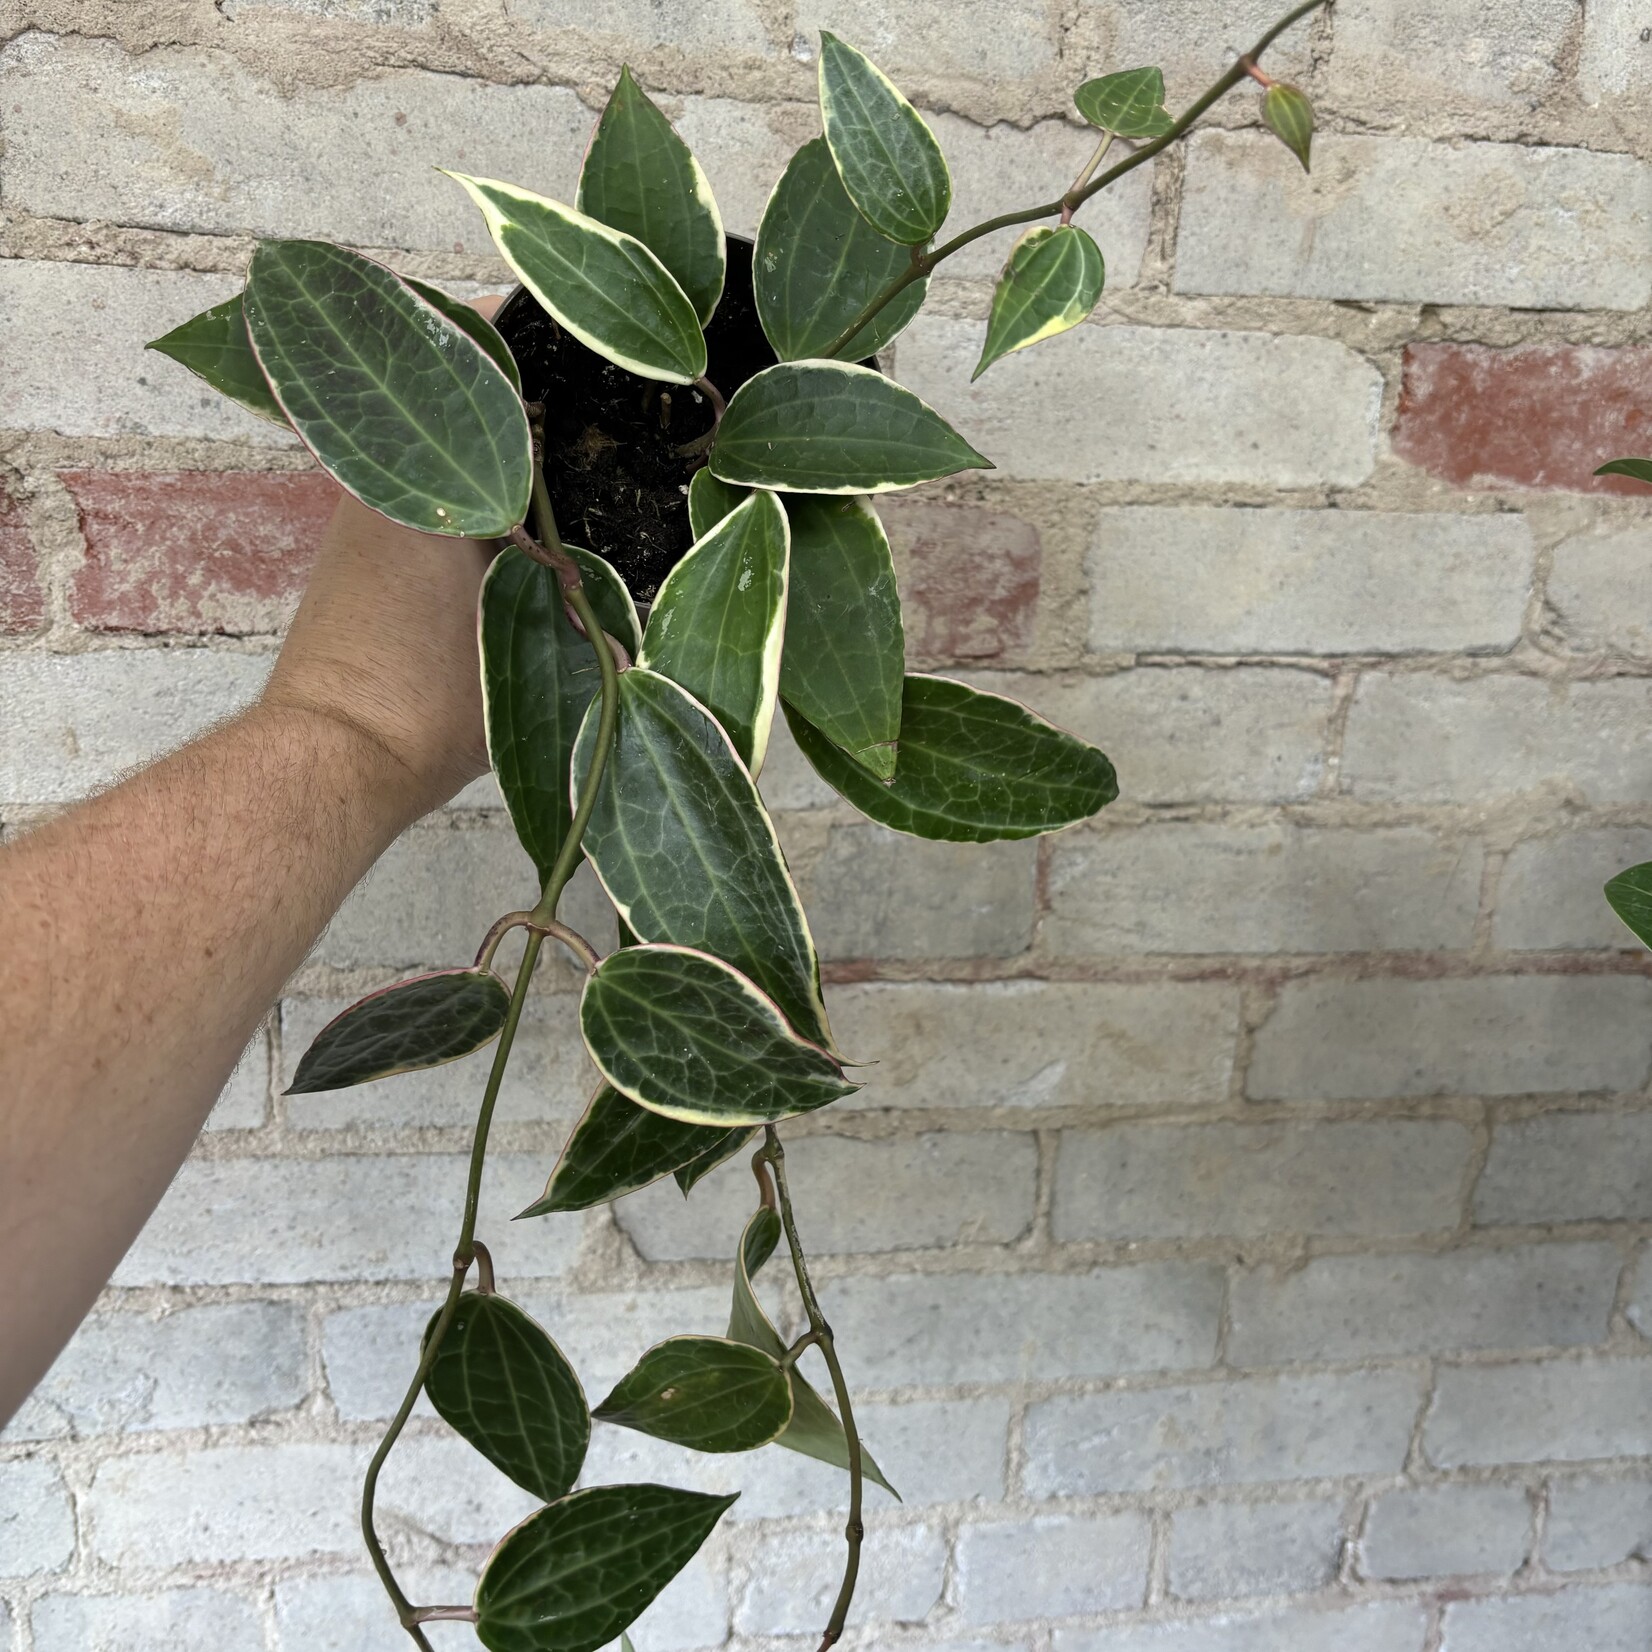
x=421 y=1022
x=572 y=1576
x=974 y=768
x=686 y=1035
x=887 y=157
x=687 y=852
x=845 y=646
x=1640 y=469
x=1288 y=114
x=499 y=1381
x=400 y=407
x=1630 y=896
x=605 y=287
x=818 y=264
x=1051 y=282
x=709 y=501
x=640 y=178
x=688 y=1175
x=831 y=427
x=610 y=597
x=1130 y=103
x=618 y=1147
x=472 y=321
x=717 y=622
x=214 y=346
x=706 y=1393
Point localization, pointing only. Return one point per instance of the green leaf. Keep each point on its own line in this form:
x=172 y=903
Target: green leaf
x=214 y=346
x=687 y=1176
x=615 y=607
x=687 y=852
x=605 y=287
x=709 y=501
x=831 y=427
x=640 y=178
x=472 y=321
x=1288 y=114
x=818 y=264
x=686 y=1035
x=717 y=622
x=500 y=1382
x=974 y=768
x=1630 y=895
x=707 y=1393
x=399 y=406
x=845 y=645
x=1129 y=104
x=886 y=156
x=1640 y=469
x=573 y=1575
x=1051 y=282
x=814 y=1430
x=618 y=1147
x=421 y=1022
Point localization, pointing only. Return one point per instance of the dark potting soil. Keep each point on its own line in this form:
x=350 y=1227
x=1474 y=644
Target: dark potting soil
x=617 y=484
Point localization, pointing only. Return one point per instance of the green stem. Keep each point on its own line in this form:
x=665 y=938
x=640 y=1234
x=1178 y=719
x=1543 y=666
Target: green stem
x=1067 y=204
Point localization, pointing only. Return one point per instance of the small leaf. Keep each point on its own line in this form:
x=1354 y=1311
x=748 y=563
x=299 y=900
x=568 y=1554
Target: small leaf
x=718 y=620
x=974 y=768
x=1288 y=114
x=500 y=1382
x=417 y=1023
x=818 y=264
x=709 y=501
x=640 y=178
x=686 y=1035
x=706 y=1393
x=1129 y=104
x=605 y=287
x=831 y=427
x=686 y=851
x=470 y=320
x=1052 y=281
x=687 y=1176
x=1630 y=895
x=1640 y=469
x=845 y=645
x=585 y=1567
x=887 y=157
x=214 y=346
x=618 y=1147
x=397 y=404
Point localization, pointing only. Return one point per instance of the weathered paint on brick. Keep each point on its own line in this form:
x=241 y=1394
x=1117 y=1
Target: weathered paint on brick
x=22 y=596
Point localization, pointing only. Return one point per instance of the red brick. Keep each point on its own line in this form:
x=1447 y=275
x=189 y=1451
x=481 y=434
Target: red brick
x=195 y=552
x=969 y=582
x=22 y=600
x=1539 y=416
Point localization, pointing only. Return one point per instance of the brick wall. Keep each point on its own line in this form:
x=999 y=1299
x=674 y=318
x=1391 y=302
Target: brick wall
x=1240 y=1245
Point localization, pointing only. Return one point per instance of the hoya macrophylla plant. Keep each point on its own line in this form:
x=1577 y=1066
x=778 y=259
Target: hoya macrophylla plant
x=633 y=744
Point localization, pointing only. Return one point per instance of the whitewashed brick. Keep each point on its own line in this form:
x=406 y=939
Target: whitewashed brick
x=1196 y=579
x=1199 y=888
x=744 y=148
x=1491 y=1035
x=1560 y=1410
x=1151 y=1181
x=1384 y=1626
x=245 y=1101
x=1616 y=60
x=1616 y=1618
x=924 y=37
x=1597 y=1523
x=1353 y=1307
x=712 y=28
x=1204 y=406
x=1226 y=1551
x=1182 y=37
x=37 y=1520
x=1221 y=1433
x=1051 y=1566
x=1568 y=1167
x=351 y=1614
x=793 y=1584
x=1550 y=893
x=1587 y=579
x=179 y=1619
x=1436 y=1531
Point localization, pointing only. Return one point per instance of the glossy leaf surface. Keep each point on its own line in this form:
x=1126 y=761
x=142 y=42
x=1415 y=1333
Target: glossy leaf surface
x=717 y=622
x=422 y=1022
x=473 y=322
x=572 y=1576
x=397 y=404
x=819 y=263
x=831 y=427
x=1130 y=103
x=1640 y=469
x=1630 y=896
x=615 y=607
x=640 y=178
x=888 y=159
x=1051 y=282
x=707 y=1393
x=500 y=1382
x=709 y=501
x=1288 y=114
x=845 y=645
x=605 y=287
x=214 y=346
x=974 y=768
x=618 y=1147
x=686 y=1035
x=687 y=852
